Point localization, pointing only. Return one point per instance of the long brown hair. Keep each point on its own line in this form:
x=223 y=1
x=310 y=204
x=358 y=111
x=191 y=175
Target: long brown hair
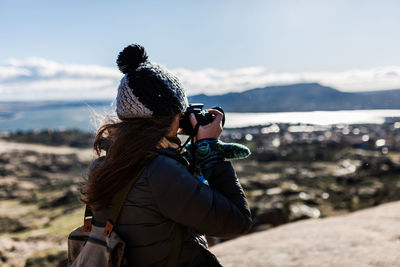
x=128 y=145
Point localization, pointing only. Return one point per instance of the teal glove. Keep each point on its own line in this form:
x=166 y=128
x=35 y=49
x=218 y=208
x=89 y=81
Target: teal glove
x=208 y=152
x=230 y=150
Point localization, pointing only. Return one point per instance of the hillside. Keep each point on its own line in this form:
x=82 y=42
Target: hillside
x=369 y=237
x=300 y=97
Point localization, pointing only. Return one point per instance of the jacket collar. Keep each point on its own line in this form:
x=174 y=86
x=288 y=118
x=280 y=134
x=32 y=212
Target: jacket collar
x=172 y=153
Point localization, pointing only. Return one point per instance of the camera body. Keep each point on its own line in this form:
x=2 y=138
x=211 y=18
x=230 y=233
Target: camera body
x=203 y=117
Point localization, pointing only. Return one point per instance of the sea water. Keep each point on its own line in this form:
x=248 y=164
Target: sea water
x=313 y=117
x=87 y=118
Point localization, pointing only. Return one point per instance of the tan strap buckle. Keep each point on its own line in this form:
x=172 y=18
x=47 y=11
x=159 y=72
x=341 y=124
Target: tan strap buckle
x=108 y=229
x=87 y=224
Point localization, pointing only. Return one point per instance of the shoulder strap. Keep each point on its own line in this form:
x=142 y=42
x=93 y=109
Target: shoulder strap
x=119 y=201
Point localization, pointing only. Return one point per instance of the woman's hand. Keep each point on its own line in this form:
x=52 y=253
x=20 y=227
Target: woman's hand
x=212 y=130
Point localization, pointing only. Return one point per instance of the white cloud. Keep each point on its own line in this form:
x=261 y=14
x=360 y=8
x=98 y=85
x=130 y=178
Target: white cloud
x=7 y=72
x=217 y=81
x=40 y=79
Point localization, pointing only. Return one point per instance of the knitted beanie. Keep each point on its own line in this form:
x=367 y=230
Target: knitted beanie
x=147 y=89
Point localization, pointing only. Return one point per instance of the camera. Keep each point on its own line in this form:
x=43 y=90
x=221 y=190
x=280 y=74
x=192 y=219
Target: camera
x=203 y=117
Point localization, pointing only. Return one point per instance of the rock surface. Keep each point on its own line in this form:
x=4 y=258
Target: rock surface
x=369 y=237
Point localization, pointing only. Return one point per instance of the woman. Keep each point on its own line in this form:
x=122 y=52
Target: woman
x=166 y=197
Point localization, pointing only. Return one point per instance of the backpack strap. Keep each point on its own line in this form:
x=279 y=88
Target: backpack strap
x=119 y=201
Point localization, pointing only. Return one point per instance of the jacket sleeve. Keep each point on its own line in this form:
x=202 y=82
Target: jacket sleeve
x=217 y=210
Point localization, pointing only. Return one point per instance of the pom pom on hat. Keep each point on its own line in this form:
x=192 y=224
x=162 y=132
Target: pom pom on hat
x=131 y=57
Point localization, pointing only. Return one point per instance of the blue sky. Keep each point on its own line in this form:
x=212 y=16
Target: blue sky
x=296 y=37
x=280 y=35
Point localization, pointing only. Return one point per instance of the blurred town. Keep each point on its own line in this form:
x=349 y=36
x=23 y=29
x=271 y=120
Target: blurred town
x=378 y=137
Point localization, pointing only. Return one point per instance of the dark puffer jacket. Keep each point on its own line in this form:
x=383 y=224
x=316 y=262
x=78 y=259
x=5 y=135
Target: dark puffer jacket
x=165 y=194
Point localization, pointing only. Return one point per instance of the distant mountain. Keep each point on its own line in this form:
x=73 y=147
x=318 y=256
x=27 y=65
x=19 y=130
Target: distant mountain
x=284 y=98
x=300 y=97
